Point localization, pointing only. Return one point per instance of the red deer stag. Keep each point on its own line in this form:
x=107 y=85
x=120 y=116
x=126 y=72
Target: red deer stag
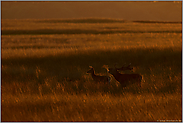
x=98 y=78
x=125 y=79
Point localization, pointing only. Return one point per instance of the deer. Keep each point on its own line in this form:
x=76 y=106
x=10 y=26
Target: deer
x=98 y=78
x=125 y=79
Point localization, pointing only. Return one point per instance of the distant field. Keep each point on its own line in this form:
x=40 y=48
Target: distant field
x=44 y=64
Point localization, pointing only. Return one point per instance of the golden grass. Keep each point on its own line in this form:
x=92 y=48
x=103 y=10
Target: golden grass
x=45 y=45
x=44 y=74
x=98 y=107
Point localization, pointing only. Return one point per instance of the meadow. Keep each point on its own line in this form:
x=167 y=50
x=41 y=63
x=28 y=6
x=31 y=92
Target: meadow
x=44 y=64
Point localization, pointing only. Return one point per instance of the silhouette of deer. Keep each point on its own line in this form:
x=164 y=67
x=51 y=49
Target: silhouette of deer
x=125 y=79
x=98 y=78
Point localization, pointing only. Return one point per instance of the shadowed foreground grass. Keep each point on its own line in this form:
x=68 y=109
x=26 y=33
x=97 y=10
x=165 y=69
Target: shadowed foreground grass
x=98 y=107
x=44 y=76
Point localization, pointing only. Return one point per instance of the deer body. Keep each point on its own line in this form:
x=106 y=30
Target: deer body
x=98 y=78
x=125 y=79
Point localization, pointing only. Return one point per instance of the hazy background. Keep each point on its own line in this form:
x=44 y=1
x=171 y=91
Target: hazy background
x=157 y=11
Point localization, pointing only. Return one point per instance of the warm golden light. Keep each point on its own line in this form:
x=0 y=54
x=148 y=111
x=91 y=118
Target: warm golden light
x=45 y=62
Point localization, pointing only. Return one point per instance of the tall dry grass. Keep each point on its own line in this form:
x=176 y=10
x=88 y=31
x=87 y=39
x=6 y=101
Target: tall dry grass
x=44 y=74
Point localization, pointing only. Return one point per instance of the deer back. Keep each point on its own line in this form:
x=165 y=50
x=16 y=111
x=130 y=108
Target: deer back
x=125 y=79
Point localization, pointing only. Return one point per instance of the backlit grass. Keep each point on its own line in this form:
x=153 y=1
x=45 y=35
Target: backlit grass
x=44 y=74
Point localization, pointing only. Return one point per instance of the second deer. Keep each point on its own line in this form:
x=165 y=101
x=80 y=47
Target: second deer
x=125 y=79
x=98 y=78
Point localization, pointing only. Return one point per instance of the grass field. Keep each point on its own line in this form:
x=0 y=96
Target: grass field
x=44 y=64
